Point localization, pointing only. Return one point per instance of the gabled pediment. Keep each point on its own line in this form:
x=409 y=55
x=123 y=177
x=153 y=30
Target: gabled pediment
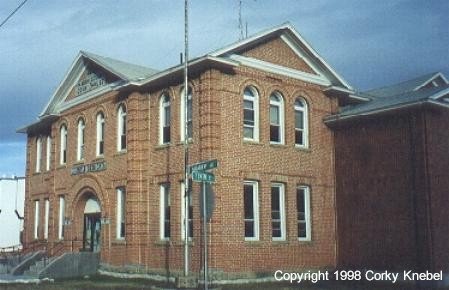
x=92 y=75
x=284 y=51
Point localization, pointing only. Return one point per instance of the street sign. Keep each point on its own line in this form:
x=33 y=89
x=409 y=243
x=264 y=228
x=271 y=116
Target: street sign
x=203 y=166
x=203 y=176
x=210 y=201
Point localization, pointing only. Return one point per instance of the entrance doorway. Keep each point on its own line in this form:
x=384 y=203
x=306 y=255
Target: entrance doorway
x=92 y=226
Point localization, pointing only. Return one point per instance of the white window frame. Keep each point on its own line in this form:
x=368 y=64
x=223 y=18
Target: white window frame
x=100 y=134
x=282 y=220
x=61 y=217
x=63 y=145
x=183 y=212
x=163 y=117
x=307 y=217
x=36 y=219
x=80 y=140
x=121 y=214
x=163 y=188
x=38 y=154
x=305 y=113
x=255 y=196
x=121 y=127
x=254 y=98
x=48 y=154
x=47 y=218
x=280 y=105
x=183 y=114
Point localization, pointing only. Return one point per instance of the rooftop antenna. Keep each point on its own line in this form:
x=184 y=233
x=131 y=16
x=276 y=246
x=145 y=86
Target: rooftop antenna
x=240 y=20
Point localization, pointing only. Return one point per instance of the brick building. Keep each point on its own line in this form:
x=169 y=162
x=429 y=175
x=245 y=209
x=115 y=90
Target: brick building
x=392 y=177
x=105 y=160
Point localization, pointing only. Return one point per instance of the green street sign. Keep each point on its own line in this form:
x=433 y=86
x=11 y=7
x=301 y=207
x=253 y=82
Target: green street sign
x=203 y=166
x=200 y=176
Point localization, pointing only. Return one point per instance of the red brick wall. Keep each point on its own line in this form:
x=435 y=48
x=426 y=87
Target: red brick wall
x=381 y=197
x=437 y=137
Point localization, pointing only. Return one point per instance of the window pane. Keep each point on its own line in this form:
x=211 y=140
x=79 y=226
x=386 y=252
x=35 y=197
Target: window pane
x=299 y=120
x=299 y=137
x=167 y=116
x=248 y=117
x=248 y=132
x=274 y=115
x=249 y=229
x=248 y=104
x=300 y=205
x=302 y=232
x=276 y=232
x=248 y=201
x=274 y=133
x=166 y=138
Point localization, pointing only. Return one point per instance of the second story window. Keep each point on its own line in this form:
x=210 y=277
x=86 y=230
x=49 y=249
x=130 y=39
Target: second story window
x=250 y=115
x=301 y=123
x=63 y=145
x=121 y=128
x=100 y=134
x=186 y=115
x=80 y=142
x=48 y=153
x=38 y=154
x=276 y=119
x=164 y=119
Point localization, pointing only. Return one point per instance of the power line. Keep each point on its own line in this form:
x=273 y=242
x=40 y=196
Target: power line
x=13 y=12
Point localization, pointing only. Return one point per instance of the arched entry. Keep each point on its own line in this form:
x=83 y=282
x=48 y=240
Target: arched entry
x=92 y=226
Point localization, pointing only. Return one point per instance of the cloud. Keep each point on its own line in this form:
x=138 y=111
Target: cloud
x=12 y=158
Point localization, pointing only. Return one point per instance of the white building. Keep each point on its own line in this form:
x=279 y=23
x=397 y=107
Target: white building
x=12 y=197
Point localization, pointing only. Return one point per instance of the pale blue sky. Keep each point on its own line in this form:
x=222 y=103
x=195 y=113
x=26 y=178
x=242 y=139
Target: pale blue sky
x=370 y=43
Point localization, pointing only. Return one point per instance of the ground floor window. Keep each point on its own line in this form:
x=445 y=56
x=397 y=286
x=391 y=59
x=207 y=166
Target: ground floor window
x=303 y=211
x=277 y=212
x=251 y=210
x=36 y=219
x=121 y=211
x=165 y=211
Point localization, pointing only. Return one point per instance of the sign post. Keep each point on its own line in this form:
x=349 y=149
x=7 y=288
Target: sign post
x=199 y=174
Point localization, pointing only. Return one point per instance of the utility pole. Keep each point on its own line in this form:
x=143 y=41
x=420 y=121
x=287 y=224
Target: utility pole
x=186 y=142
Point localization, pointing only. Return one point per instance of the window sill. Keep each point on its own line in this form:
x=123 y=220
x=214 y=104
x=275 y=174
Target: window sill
x=304 y=240
x=279 y=242
x=119 y=242
x=121 y=152
x=253 y=242
x=162 y=146
x=251 y=142
x=36 y=173
x=302 y=148
x=79 y=162
x=61 y=166
x=278 y=145
x=98 y=158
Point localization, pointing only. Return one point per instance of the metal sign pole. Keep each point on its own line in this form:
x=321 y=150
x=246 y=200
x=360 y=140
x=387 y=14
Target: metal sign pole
x=205 y=236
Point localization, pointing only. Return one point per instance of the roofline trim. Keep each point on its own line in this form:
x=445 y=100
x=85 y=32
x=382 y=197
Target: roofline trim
x=436 y=75
x=439 y=94
x=280 y=70
x=180 y=67
x=336 y=118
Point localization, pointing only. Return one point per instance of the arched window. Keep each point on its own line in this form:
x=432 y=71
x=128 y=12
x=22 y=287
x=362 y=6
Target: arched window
x=301 y=123
x=80 y=143
x=276 y=118
x=164 y=119
x=250 y=114
x=121 y=128
x=63 y=145
x=189 y=117
x=38 y=154
x=100 y=134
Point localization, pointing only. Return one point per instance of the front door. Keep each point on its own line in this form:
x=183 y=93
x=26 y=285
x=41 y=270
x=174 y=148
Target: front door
x=92 y=231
